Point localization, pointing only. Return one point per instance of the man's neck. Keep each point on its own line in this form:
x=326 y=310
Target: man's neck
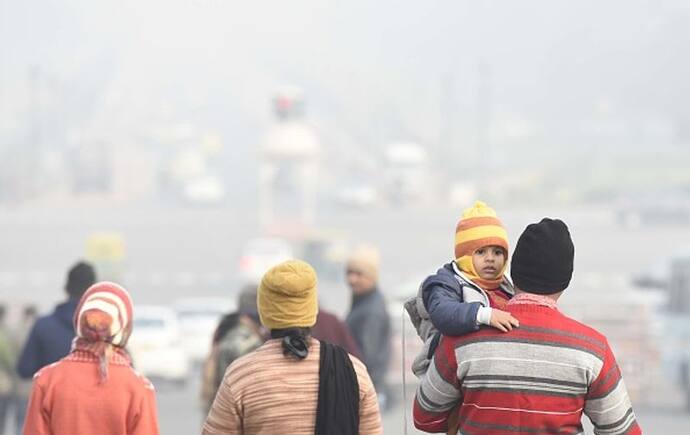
x=522 y=298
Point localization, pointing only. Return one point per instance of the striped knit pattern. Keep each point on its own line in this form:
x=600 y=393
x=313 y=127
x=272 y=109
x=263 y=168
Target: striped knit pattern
x=111 y=302
x=538 y=378
x=479 y=227
x=266 y=393
x=474 y=233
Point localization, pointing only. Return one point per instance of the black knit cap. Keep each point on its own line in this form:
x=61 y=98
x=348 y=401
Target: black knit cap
x=543 y=258
x=80 y=277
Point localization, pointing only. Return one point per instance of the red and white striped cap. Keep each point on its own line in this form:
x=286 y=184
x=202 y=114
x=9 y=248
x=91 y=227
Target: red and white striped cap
x=104 y=313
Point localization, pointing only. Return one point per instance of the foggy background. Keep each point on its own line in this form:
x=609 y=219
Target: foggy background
x=145 y=135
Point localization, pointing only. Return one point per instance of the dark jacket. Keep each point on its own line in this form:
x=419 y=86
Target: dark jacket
x=332 y=330
x=447 y=304
x=371 y=327
x=443 y=299
x=49 y=340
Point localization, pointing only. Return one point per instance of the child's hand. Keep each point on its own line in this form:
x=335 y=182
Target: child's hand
x=503 y=320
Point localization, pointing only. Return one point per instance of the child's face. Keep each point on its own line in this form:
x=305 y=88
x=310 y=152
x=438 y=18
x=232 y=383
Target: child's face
x=488 y=261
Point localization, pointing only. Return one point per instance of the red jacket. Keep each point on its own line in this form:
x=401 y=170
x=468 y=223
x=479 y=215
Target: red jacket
x=66 y=398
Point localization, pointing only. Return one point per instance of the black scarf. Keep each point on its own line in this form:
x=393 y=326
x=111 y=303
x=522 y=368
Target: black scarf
x=337 y=412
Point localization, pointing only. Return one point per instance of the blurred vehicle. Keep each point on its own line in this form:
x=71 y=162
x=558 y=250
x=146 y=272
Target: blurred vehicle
x=261 y=254
x=653 y=209
x=406 y=172
x=358 y=195
x=204 y=190
x=677 y=329
x=326 y=252
x=198 y=319
x=155 y=344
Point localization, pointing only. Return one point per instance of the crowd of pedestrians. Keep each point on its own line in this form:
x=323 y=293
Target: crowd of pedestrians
x=499 y=356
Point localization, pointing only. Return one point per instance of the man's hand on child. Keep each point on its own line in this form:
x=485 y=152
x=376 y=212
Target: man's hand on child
x=503 y=320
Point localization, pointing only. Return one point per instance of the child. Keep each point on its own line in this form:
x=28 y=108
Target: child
x=468 y=292
x=94 y=389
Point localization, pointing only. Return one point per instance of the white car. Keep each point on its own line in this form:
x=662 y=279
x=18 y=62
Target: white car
x=155 y=344
x=261 y=254
x=198 y=319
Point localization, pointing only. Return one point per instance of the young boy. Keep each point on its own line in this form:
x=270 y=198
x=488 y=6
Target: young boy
x=468 y=292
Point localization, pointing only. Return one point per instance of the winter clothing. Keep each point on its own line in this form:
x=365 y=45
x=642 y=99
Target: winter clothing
x=337 y=408
x=332 y=330
x=266 y=393
x=448 y=303
x=51 y=336
x=94 y=389
x=103 y=321
x=287 y=296
x=49 y=340
x=538 y=378
x=236 y=340
x=68 y=398
x=370 y=325
x=479 y=228
x=543 y=258
x=365 y=259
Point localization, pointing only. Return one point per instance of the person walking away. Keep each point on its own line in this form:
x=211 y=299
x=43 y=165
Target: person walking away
x=7 y=373
x=237 y=334
x=368 y=318
x=51 y=337
x=537 y=378
x=94 y=389
x=23 y=386
x=293 y=383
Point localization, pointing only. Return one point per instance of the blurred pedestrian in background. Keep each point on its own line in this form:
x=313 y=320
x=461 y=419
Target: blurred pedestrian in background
x=331 y=329
x=51 y=336
x=95 y=390
x=293 y=383
x=237 y=334
x=8 y=358
x=23 y=386
x=368 y=318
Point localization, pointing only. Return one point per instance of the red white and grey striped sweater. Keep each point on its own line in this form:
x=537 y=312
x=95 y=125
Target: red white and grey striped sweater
x=538 y=378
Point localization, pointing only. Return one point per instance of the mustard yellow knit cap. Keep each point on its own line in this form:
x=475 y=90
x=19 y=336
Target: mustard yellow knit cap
x=287 y=296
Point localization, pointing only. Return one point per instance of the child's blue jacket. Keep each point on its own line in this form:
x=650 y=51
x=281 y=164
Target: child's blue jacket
x=441 y=294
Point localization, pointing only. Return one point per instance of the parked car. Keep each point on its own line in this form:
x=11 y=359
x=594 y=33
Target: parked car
x=198 y=319
x=155 y=344
x=261 y=254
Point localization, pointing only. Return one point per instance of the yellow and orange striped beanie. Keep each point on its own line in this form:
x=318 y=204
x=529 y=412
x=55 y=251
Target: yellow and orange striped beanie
x=478 y=227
